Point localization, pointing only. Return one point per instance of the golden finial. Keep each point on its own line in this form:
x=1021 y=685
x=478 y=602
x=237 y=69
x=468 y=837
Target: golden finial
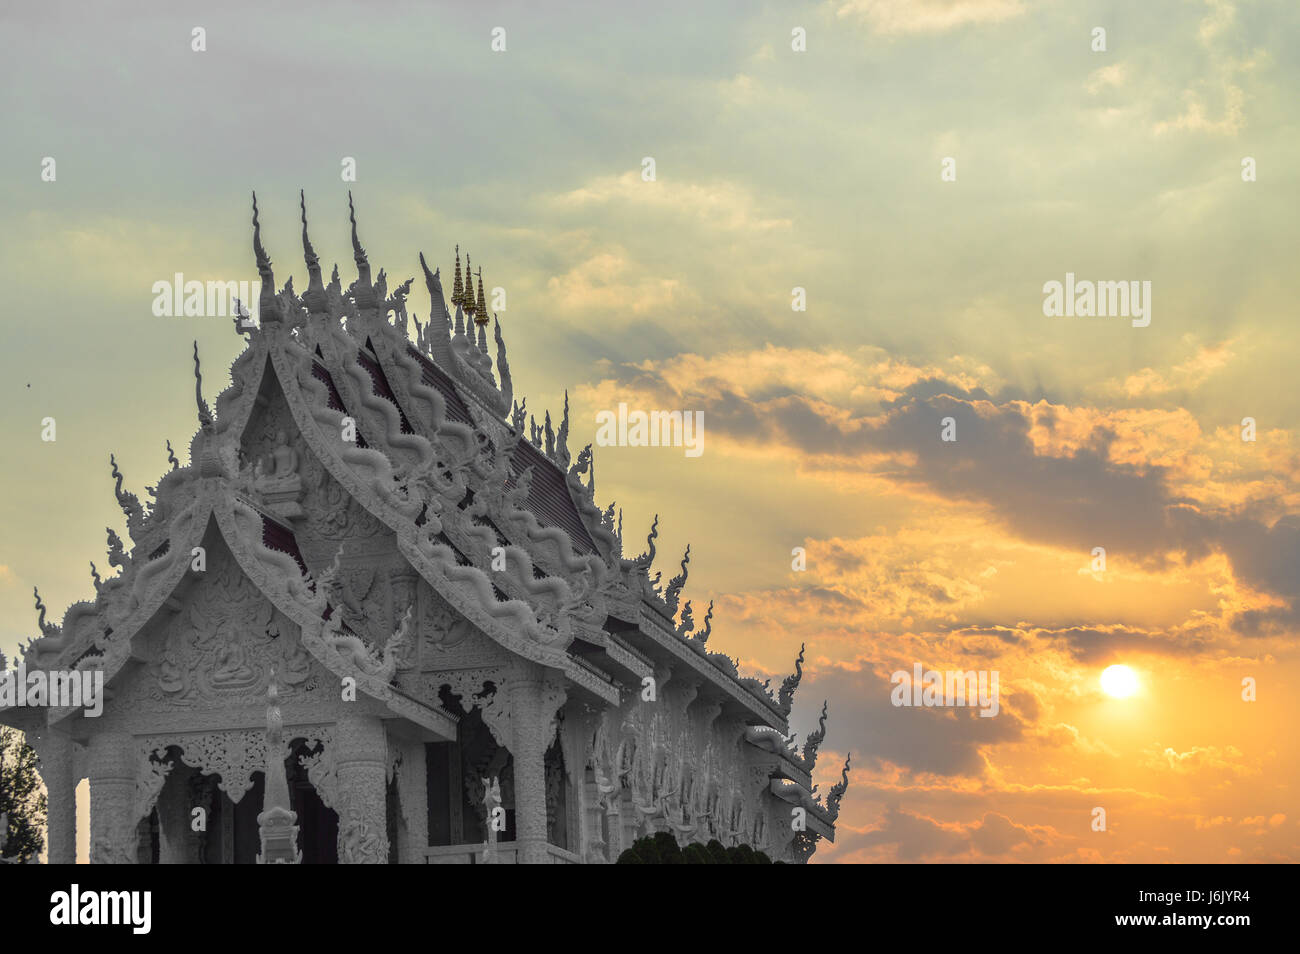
x=480 y=310
x=458 y=287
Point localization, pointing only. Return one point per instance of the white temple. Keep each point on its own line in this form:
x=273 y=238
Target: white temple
x=461 y=663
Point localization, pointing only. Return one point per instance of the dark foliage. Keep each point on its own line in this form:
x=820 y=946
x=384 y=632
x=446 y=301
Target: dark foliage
x=662 y=849
x=22 y=798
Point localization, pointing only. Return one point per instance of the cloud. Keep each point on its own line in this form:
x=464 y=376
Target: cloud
x=609 y=281
x=1214 y=103
x=898 y=17
x=719 y=205
x=1107 y=77
x=1210 y=758
x=1072 y=477
x=1191 y=373
x=917 y=837
x=921 y=741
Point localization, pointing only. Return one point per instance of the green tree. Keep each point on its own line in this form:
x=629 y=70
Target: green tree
x=22 y=798
x=662 y=849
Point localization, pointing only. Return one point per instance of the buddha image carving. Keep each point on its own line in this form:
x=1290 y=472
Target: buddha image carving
x=297 y=664
x=171 y=677
x=280 y=464
x=450 y=633
x=350 y=591
x=234 y=668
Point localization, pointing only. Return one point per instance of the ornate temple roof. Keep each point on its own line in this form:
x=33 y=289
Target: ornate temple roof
x=425 y=439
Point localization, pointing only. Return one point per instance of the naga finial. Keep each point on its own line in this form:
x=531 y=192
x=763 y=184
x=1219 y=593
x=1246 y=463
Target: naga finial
x=263 y=263
x=676 y=583
x=702 y=637
x=267 y=304
x=116 y=552
x=205 y=413
x=94 y=577
x=314 y=297
x=171 y=457
x=308 y=253
x=815 y=738
x=358 y=252
x=687 y=622
x=785 y=699
x=128 y=501
x=838 y=790
x=364 y=292
x=645 y=559
x=47 y=629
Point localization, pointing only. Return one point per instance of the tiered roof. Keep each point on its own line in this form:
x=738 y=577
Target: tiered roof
x=440 y=457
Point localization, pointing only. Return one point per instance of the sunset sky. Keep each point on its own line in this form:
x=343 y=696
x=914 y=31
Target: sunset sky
x=775 y=169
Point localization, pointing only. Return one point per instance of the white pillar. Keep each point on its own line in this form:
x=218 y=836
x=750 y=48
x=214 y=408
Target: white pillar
x=413 y=798
x=112 y=799
x=362 y=779
x=54 y=749
x=527 y=725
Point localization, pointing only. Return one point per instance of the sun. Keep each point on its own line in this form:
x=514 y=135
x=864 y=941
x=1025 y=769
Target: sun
x=1119 y=681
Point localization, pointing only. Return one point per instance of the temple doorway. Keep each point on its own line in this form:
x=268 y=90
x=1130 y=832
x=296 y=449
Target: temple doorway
x=228 y=830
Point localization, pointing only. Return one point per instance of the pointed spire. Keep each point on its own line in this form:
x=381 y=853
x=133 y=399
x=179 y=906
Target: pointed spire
x=205 y=413
x=363 y=291
x=480 y=309
x=433 y=282
x=467 y=296
x=503 y=366
x=550 y=437
x=562 y=438
x=458 y=289
x=464 y=304
x=267 y=304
